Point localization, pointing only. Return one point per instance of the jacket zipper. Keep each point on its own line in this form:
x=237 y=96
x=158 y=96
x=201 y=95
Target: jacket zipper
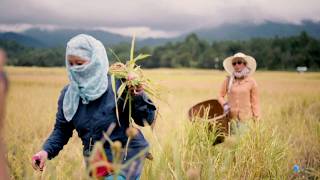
x=90 y=145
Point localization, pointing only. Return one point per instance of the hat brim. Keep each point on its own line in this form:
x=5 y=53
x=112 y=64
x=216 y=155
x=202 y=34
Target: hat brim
x=251 y=64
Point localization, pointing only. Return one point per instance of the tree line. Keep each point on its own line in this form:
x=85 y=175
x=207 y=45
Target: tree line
x=278 y=53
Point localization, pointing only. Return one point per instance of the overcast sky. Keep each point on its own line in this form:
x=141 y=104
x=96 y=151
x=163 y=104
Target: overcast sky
x=150 y=18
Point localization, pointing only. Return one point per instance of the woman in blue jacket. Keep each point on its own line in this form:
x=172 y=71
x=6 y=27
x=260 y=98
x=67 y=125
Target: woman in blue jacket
x=87 y=105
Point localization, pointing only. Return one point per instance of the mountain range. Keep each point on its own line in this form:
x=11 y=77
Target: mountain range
x=42 y=38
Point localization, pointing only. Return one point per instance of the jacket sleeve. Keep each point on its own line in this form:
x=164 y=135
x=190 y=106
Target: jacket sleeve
x=61 y=133
x=223 y=92
x=143 y=110
x=254 y=96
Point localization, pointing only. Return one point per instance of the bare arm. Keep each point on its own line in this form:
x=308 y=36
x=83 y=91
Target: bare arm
x=222 y=92
x=255 y=104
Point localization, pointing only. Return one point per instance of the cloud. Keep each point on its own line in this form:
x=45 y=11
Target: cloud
x=141 y=32
x=154 y=17
x=24 y=27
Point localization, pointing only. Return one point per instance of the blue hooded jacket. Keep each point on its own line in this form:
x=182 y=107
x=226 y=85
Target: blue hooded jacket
x=94 y=118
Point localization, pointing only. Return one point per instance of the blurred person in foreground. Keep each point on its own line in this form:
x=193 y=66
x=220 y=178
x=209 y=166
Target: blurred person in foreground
x=3 y=91
x=241 y=90
x=87 y=105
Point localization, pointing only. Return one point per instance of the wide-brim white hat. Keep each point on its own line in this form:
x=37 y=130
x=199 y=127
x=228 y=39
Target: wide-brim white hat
x=251 y=63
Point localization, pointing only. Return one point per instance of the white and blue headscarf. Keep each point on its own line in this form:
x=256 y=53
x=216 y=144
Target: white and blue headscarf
x=88 y=81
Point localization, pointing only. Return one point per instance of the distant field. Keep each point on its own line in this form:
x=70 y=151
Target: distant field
x=288 y=134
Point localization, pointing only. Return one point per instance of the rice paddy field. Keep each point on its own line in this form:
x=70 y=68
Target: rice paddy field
x=287 y=135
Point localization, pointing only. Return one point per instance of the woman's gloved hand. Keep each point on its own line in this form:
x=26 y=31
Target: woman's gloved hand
x=226 y=108
x=39 y=159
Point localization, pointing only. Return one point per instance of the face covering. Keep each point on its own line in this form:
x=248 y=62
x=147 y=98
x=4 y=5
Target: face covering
x=89 y=81
x=243 y=73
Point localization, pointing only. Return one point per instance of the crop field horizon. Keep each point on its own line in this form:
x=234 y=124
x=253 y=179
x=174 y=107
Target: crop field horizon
x=288 y=133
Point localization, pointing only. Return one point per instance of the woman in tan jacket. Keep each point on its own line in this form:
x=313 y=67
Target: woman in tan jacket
x=240 y=88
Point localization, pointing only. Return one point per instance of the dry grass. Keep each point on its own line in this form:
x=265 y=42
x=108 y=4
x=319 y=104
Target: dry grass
x=288 y=134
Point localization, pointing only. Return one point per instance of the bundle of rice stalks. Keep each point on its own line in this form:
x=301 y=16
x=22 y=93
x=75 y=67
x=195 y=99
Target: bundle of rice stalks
x=133 y=79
